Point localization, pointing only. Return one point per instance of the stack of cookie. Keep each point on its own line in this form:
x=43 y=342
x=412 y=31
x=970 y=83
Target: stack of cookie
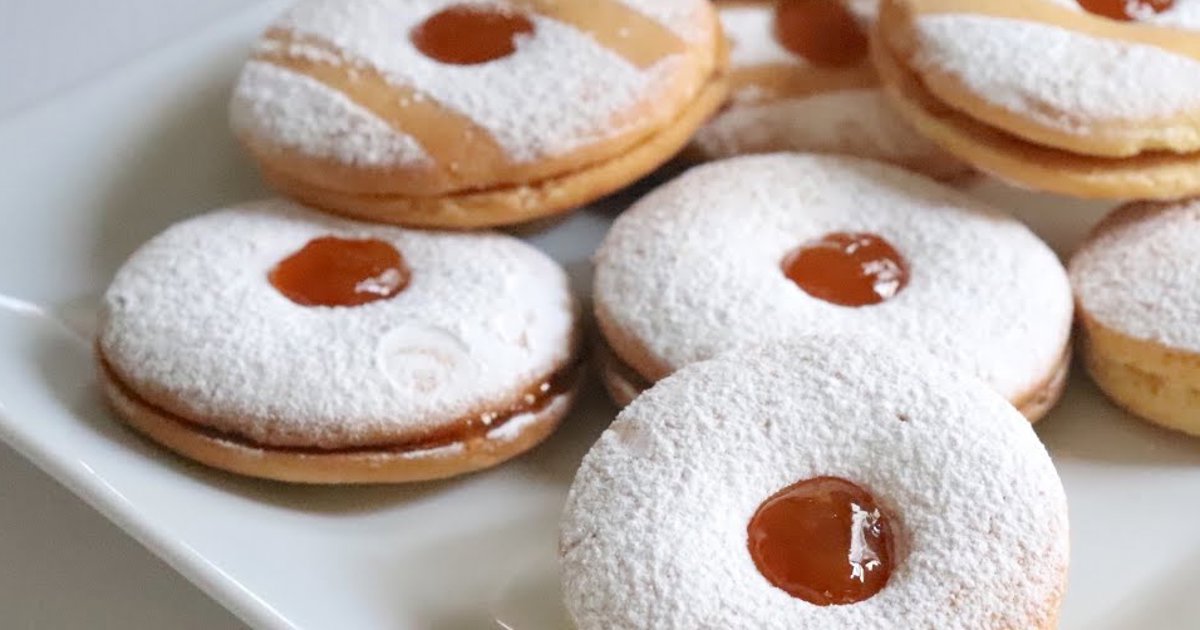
x=757 y=475
x=831 y=363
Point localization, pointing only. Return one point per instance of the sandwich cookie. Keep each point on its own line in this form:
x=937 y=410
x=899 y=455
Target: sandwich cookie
x=1135 y=285
x=1089 y=98
x=451 y=114
x=273 y=341
x=821 y=483
x=760 y=249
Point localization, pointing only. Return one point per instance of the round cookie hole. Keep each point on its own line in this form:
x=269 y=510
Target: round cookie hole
x=823 y=540
x=848 y=269
x=824 y=32
x=1126 y=10
x=332 y=271
x=467 y=35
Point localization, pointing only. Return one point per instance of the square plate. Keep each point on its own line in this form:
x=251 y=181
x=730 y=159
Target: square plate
x=90 y=175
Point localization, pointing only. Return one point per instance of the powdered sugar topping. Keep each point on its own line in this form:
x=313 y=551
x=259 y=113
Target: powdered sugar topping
x=686 y=18
x=1057 y=77
x=193 y=320
x=277 y=106
x=751 y=31
x=1140 y=277
x=655 y=530
x=694 y=268
x=543 y=100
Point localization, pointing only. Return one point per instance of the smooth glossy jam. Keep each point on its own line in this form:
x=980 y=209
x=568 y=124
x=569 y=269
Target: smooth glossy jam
x=824 y=541
x=822 y=31
x=331 y=271
x=848 y=269
x=1126 y=10
x=468 y=35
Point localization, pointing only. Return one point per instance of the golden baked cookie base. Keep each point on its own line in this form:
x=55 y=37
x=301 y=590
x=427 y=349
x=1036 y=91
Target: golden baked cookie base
x=1147 y=176
x=1156 y=383
x=310 y=466
x=1038 y=401
x=620 y=381
x=513 y=204
x=1109 y=139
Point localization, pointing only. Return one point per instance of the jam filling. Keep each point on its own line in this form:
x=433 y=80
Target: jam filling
x=331 y=271
x=1126 y=10
x=822 y=31
x=823 y=540
x=848 y=269
x=533 y=400
x=468 y=35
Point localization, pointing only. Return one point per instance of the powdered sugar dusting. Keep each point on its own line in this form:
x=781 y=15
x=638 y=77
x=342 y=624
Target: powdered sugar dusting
x=751 y=30
x=866 y=11
x=543 y=100
x=654 y=533
x=193 y=316
x=276 y=105
x=1057 y=77
x=450 y=450
x=852 y=122
x=686 y=18
x=516 y=426
x=694 y=268
x=1141 y=277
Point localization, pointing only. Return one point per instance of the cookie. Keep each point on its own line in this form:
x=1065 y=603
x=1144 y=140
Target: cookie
x=760 y=249
x=273 y=341
x=821 y=482
x=1135 y=282
x=801 y=80
x=438 y=113
x=1053 y=95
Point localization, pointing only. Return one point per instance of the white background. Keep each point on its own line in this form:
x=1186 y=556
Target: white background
x=62 y=565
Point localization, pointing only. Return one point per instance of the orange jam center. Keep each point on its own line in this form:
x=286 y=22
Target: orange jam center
x=848 y=269
x=468 y=35
x=331 y=271
x=1126 y=10
x=822 y=31
x=824 y=541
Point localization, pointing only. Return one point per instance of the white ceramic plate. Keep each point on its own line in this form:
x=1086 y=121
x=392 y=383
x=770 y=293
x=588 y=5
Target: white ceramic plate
x=89 y=176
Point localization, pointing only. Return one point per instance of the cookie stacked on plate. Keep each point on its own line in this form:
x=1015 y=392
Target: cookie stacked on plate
x=453 y=114
x=765 y=477
x=1088 y=98
x=831 y=367
x=273 y=340
x=831 y=364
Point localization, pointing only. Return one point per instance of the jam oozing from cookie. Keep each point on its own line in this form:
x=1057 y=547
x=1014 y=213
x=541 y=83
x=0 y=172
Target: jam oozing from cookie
x=823 y=540
x=331 y=271
x=1126 y=10
x=822 y=31
x=848 y=269
x=467 y=35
